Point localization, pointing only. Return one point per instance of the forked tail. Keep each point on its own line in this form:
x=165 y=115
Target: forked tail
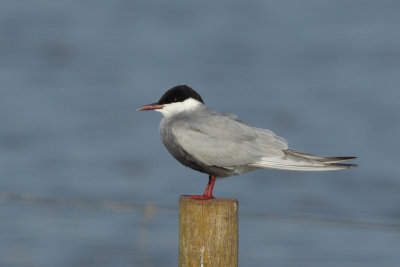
x=300 y=161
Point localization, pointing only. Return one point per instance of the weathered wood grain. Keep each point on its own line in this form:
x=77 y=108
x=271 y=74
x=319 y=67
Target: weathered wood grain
x=208 y=232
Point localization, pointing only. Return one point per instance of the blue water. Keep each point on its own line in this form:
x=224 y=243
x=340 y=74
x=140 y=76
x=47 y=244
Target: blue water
x=85 y=180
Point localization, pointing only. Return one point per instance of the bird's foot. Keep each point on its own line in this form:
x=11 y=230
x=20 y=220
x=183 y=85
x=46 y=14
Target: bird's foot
x=199 y=197
x=207 y=193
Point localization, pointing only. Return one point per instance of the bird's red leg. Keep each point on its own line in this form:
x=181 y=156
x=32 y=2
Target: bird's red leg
x=208 y=192
x=210 y=186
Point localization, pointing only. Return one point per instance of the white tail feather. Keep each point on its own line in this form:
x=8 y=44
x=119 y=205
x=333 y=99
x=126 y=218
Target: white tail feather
x=298 y=163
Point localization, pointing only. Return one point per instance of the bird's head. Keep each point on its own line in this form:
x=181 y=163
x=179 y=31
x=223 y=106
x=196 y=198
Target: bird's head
x=176 y=100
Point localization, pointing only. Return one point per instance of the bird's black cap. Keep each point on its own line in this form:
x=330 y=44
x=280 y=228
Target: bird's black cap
x=179 y=94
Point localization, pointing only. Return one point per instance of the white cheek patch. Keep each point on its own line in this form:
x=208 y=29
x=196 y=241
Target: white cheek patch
x=177 y=107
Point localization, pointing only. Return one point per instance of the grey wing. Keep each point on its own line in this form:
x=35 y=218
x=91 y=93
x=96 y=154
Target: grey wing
x=263 y=136
x=224 y=141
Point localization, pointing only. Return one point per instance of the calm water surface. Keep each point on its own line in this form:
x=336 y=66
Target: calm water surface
x=85 y=180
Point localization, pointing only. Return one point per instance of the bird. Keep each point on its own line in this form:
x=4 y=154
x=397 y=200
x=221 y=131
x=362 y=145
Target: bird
x=222 y=145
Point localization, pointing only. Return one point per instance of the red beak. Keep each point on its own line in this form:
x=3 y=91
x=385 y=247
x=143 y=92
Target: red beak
x=150 y=107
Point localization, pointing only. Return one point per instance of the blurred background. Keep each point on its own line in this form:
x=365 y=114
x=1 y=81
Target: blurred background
x=86 y=181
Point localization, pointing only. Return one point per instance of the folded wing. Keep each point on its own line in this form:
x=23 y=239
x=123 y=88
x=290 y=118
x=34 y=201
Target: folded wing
x=224 y=141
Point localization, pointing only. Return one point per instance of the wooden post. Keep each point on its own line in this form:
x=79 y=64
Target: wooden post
x=208 y=232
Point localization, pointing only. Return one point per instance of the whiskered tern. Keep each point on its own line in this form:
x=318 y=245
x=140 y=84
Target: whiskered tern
x=221 y=145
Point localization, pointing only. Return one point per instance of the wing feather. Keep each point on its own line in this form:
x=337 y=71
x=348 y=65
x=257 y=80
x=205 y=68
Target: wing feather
x=224 y=141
